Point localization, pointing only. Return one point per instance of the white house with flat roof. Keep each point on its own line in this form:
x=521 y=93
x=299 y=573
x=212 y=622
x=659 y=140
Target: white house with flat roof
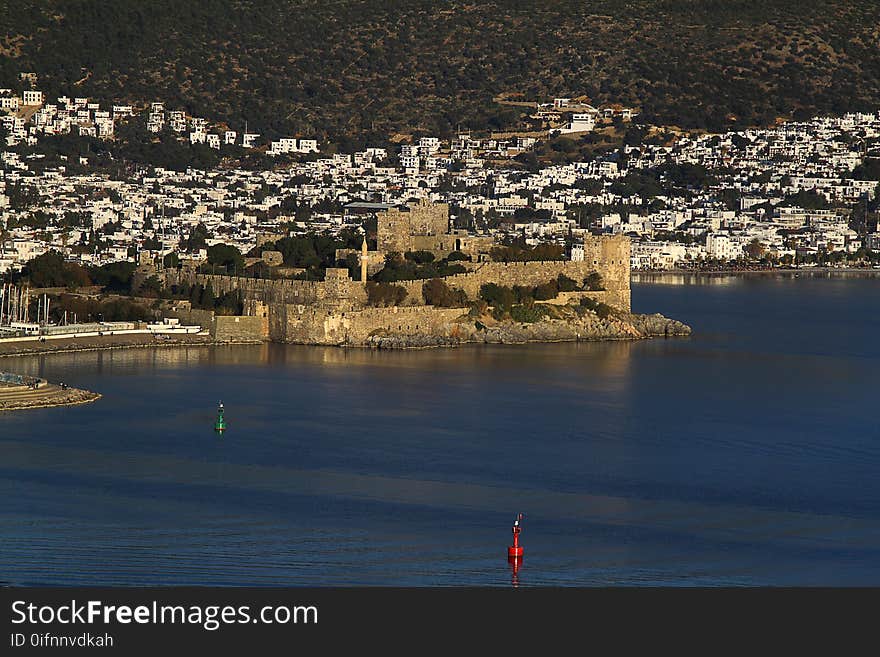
x=31 y=97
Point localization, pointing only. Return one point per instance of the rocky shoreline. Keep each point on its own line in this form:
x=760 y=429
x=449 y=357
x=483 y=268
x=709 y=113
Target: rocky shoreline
x=571 y=328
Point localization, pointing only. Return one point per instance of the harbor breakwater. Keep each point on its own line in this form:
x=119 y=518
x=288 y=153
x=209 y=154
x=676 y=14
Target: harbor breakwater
x=18 y=392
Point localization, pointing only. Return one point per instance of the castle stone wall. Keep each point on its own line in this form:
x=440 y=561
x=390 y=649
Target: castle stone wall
x=308 y=325
x=234 y=328
x=338 y=289
x=193 y=317
x=530 y=274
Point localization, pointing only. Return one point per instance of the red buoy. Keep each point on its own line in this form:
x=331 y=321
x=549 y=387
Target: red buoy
x=516 y=550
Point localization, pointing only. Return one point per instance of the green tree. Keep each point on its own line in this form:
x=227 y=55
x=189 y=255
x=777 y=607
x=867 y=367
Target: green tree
x=206 y=299
x=50 y=270
x=114 y=276
x=385 y=294
x=437 y=293
x=498 y=296
x=226 y=256
x=755 y=250
x=566 y=284
x=419 y=257
x=197 y=238
x=546 y=291
x=151 y=288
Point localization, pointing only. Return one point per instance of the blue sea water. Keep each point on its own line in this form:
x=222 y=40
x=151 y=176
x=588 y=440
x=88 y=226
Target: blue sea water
x=747 y=454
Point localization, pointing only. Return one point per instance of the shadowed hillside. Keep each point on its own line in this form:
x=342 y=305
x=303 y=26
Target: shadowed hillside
x=376 y=67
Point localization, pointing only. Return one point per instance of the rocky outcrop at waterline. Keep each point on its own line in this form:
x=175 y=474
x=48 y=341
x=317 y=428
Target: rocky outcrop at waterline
x=19 y=397
x=566 y=325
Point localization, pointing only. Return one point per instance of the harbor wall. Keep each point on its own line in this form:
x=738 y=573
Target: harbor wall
x=236 y=328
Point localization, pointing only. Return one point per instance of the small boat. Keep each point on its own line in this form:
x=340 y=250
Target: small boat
x=220 y=423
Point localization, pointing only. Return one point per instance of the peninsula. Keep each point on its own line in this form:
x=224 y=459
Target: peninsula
x=428 y=285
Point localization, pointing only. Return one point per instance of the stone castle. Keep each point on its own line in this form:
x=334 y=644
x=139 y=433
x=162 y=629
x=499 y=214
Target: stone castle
x=335 y=311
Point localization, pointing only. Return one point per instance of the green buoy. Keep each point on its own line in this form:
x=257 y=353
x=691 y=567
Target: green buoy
x=220 y=424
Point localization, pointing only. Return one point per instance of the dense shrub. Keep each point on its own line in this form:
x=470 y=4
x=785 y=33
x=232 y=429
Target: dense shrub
x=50 y=270
x=419 y=257
x=502 y=296
x=437 y=293
x=415 y=265
x=527 y=254
x=528 y=313
x=478 y=307
x=385 y=294
x=546 y=291
x=566 y=284
x=594 y=282
x=498 y=296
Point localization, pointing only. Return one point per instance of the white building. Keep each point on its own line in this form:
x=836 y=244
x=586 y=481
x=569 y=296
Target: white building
x=580 y=122
x=307 y=146
x=31 y=97
x=9 y=101
x=429 y=145
x=177 y=120
x=720 y=246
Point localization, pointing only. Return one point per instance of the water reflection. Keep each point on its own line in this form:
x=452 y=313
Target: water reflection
x=609 y=361
x=736 y=278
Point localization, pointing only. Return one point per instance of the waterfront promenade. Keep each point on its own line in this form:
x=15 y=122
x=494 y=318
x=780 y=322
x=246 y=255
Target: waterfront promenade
x=19 y=347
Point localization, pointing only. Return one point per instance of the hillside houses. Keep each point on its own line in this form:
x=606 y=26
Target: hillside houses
x=791 y=189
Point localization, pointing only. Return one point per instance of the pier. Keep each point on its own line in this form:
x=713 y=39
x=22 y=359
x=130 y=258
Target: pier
x=19 y=392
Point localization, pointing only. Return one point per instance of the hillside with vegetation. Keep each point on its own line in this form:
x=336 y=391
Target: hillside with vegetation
x=355 y=70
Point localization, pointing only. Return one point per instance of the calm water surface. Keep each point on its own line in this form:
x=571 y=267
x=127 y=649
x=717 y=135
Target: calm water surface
x=746 y=454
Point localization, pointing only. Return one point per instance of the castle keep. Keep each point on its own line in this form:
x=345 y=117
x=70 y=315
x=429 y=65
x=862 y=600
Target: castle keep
x=421 y=227
x=335 y=311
